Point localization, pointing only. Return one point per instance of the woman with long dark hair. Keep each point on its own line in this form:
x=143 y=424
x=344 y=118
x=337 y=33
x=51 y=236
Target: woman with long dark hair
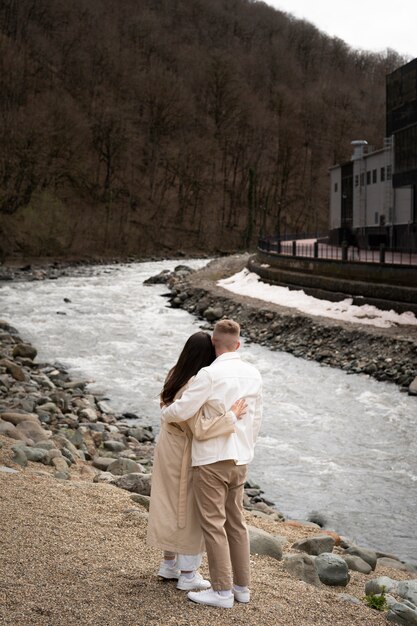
x=173 y=524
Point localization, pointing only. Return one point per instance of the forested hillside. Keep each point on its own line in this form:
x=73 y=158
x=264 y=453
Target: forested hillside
x=152 y=126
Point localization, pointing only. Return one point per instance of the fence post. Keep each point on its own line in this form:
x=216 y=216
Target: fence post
x=294 y=248
x=382 y=253
x=316 y=249
x=344 y=251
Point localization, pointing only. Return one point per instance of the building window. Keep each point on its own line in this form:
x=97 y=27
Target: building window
x=376 y=217
x=335 y=187
x=389 y=170
x=382 y=174
x=356 y=180
x=362 y=179
x=368 y=177
x=374 y=176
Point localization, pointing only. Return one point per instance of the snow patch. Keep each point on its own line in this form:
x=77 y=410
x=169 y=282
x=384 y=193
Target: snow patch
x=246 y=283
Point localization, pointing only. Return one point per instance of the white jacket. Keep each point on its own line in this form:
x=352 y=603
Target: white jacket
x=217 y=387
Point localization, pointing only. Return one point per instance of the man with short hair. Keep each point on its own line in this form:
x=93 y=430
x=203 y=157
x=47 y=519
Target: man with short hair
x=220 y=464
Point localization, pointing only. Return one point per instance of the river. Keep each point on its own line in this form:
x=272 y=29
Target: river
x=341 y=445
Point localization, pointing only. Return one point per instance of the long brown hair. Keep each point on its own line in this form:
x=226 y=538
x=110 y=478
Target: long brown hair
x=198 y=352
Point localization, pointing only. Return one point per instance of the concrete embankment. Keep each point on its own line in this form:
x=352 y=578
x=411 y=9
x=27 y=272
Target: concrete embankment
x=387 y=354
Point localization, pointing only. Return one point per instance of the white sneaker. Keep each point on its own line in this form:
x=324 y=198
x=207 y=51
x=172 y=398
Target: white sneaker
x=196 y=582
x=241 y=596
x=211 y=598
x=168 y=571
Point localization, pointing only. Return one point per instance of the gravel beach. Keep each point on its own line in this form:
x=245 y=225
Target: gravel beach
x=74 y=553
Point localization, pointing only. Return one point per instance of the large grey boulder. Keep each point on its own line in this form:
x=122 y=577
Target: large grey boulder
x=38 y=455
x=15 y=370
x=332 y=570
x=103 y=477
x=103 y=462
x=367 y=555
x=136 y=483
x=114 y=446
x=122 y=466
x=46 y=444
x=15 y=418
x=345 y=597
x=262 y=542
x=32 y=430
x=8 y=429
x=26 y=453
x=302 y=566
x=62 y=443
x=105 y=407
x=160 y=278
x=407 y=589
x=213 y=314
x=379 y=585
x=141 y=433
x=25 y=350
x=89 y=414
x=356 y=564
x=315 y=545
x=60 y=464
x=402 y=614
x=19 y=456
x=141 y=499
x=47 y=407
x=52 y=454
x=386 y=561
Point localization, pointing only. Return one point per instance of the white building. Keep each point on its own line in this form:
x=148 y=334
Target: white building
x=373 y=197
x=364 y=205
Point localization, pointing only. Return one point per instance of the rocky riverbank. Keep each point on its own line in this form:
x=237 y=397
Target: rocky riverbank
x=75 y=479
x=387 y=354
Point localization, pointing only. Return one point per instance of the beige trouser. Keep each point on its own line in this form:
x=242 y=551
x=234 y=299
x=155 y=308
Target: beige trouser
x=218 y=491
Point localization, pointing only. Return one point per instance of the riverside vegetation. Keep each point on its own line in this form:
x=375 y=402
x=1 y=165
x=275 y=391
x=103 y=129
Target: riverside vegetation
x=75 y=482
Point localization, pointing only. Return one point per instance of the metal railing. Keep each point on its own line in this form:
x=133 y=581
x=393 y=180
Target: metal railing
x=319 y=250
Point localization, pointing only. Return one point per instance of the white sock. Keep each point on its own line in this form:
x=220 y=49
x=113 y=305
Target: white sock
x=225 y=593
x=239 y=588
x=188 y=575
x=170 y=562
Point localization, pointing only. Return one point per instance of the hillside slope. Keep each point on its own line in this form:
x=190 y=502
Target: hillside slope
x=163 y=125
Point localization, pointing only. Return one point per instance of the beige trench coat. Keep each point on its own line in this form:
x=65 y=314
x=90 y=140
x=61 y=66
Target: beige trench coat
x=173 y=524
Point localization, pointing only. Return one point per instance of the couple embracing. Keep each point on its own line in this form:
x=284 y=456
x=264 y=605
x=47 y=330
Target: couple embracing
x=211 y=414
